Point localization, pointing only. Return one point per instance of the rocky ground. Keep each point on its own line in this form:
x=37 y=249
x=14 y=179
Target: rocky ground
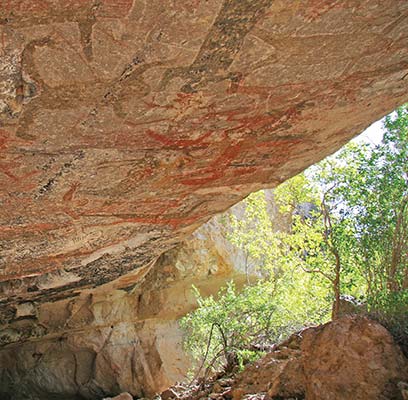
x=353 y=358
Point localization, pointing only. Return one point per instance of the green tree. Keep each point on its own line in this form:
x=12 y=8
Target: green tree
x=254 y=235
x=313 y=244
x=367 y=192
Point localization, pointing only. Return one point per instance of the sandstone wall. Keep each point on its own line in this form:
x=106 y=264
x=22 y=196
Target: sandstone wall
x=125 y=125
x=113 y=340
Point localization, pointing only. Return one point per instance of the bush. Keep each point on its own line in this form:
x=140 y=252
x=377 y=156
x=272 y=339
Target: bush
x=238 y=326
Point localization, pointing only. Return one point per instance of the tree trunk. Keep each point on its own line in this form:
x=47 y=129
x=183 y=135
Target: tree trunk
x=397 y=248
x=334 y=250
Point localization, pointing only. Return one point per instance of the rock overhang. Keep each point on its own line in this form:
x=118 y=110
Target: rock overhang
x=125 y=125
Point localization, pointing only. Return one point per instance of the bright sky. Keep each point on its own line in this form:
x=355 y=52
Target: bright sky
x=373 y=134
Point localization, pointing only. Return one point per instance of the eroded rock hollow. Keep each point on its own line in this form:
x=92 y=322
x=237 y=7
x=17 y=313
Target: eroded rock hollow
x=108 y=341
x=125 y=125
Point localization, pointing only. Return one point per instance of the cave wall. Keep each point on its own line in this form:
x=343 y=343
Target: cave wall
x=125 y=125
x=109 y=341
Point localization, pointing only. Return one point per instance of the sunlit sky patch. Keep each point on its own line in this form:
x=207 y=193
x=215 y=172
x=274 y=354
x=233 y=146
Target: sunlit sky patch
x=373 y=134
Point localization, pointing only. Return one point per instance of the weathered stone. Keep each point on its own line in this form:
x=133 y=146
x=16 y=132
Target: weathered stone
x=116 y=340
x=403 y=386
x=350 y=358
x=125 y=125
x=168 y=394
x=122 y=396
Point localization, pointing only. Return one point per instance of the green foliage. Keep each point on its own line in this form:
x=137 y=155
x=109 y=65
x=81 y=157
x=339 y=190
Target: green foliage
x=392 y=311
x=367 y=190
x=253 y=234
x=237 y=325
x=229 y=324
x=286 y=297
x=295 y=191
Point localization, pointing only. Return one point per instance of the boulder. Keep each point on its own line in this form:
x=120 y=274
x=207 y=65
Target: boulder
x=350 y=358
x=349 y=305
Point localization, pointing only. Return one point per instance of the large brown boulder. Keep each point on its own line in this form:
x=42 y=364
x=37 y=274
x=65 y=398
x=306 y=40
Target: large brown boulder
x=353 y=358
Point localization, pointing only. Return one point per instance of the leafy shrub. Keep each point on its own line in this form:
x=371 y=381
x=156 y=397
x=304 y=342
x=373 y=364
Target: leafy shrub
x=238 y=326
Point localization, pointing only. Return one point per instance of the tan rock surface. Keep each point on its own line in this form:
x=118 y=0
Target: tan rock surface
x=351 y=358
x=110 y=341
x=122 y=396
x=127 y=124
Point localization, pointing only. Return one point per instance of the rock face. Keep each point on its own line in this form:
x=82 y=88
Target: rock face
x=127 y=124
x=102 y=343
x=350 y=358
x=122 y=396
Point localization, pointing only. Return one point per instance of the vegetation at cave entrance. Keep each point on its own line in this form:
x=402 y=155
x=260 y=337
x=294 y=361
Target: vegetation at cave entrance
x=348 y=235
